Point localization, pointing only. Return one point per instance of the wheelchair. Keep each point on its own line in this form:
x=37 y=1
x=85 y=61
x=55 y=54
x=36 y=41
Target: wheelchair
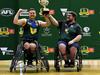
x=58 y=60
x=39 y=58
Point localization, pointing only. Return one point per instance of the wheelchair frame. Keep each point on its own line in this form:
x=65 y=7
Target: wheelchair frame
x=40 y=58
x=58 y=60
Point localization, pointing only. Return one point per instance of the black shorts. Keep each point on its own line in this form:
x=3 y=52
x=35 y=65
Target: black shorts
x=75 y=44
x=29 y=40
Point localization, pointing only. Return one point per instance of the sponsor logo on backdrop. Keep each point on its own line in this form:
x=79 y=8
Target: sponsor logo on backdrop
x=86 y=31
x=86 y=50
x=6 y=51
x=7 y=12
x=46 y=32
x=5 y=31
x=21 y=31
x=99 y=32
x=47 y=49
x=24 y=12
x=85 y=12
x=63 y=10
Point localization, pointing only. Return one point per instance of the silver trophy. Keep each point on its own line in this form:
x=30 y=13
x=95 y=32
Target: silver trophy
x=44 y=10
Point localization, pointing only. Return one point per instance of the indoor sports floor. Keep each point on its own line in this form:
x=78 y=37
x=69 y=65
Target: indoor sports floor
x=86 y=70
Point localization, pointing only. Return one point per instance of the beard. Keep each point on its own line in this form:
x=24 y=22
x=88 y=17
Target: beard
x=32 y=17
x=68 y=21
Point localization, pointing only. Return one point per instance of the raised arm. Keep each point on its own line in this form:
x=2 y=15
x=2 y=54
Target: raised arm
x=53 y=20
x=46 y=23
x=49 y=18
x=18 y=21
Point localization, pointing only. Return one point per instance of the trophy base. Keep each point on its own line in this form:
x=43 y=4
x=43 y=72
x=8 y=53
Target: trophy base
x=45 y=12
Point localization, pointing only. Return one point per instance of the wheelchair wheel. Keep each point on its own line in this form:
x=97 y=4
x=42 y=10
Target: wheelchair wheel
x=16 y=57
x=58 y=69
x=24 y=70
x=42 y=56
x=56 y=61
x=13 y=65
x=57 y=66
x=37 y=69
x=46 y=65
x=78 y=67
x=79 y=64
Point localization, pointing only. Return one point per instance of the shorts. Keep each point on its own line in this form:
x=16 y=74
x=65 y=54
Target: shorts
x=75 y=44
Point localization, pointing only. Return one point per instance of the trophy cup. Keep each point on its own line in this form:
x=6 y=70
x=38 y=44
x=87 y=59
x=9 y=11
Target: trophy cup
x=44 y=10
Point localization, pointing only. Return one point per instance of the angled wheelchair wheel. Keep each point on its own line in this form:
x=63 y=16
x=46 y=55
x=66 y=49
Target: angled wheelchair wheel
x=16 y=57
x=46 y=64
x=58 y=69
x=42 y=56
x=79 y=68
x=24 y=70
x=79 y=64
x=13 y=65
x=57 y=61
x=57 y=66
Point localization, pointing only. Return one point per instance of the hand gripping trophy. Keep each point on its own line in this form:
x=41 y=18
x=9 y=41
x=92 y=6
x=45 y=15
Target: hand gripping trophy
x=44 y=10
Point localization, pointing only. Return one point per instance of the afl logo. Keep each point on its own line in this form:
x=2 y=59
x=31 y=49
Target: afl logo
x=6 y=12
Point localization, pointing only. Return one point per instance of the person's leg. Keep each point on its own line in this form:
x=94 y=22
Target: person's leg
x=32 y=47
x=62 y=49
x=26 y=45
x=31 y=52
x=28 y=52
x=73 y=51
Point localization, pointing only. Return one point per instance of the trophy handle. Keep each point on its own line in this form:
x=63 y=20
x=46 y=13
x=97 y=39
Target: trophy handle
x=40 y=13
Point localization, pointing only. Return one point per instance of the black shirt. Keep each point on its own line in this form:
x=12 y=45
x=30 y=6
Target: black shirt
x=69 y=31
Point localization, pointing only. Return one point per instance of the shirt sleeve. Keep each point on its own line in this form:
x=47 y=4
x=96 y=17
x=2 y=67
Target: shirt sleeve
x=79 y=30
x=60 y=24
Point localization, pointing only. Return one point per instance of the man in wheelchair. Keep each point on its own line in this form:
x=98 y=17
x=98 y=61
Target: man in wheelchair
x=29 y=49
x=68 y=52
x=70 y=34
x=30 y=28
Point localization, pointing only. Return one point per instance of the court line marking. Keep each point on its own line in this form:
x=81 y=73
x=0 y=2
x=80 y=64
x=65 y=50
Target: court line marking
x=21 y=69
